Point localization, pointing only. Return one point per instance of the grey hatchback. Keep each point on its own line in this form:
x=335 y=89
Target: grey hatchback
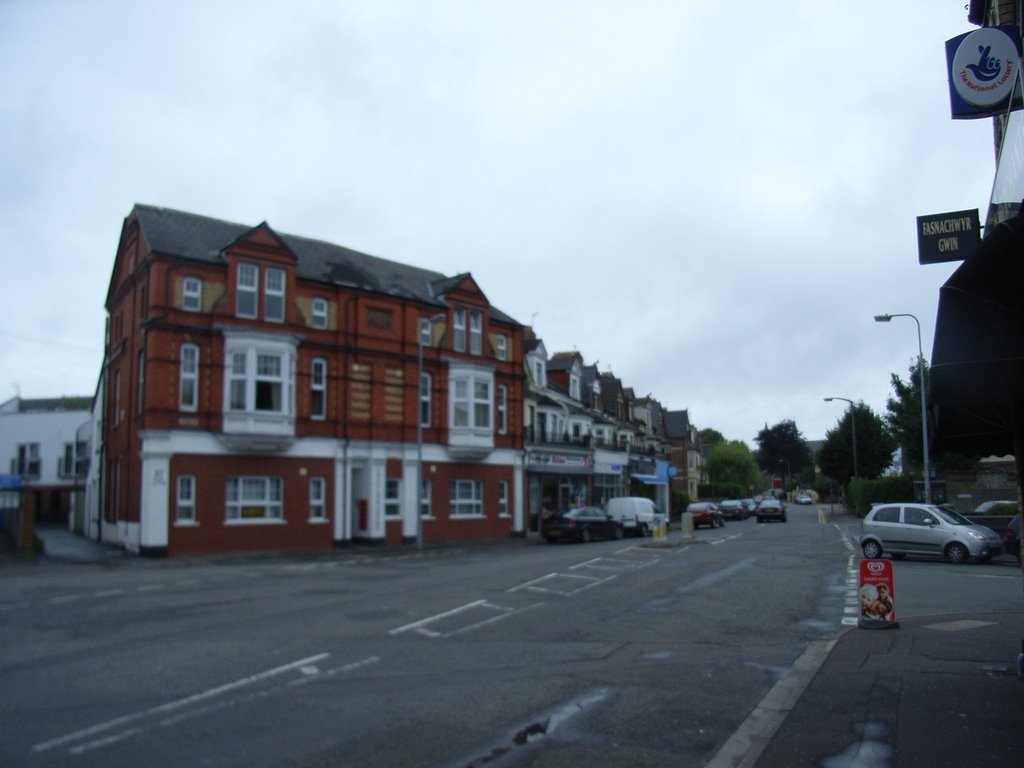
x=925 y=529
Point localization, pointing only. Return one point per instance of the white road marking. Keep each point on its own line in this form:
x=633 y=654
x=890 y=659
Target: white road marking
x=173 y=705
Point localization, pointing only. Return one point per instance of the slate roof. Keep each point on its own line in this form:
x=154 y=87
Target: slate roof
x=201 y=238
x=677 y=423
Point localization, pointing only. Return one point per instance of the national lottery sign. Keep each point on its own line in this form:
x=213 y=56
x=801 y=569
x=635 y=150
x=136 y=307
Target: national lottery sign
x=984 y=70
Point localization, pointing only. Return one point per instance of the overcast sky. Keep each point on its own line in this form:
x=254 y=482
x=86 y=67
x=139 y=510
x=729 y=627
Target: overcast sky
x=711 y=200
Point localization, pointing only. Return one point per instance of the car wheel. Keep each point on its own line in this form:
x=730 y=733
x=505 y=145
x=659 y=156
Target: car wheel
x=618 y=532
x=585 y=535
x=957 y=553
x=872 y=550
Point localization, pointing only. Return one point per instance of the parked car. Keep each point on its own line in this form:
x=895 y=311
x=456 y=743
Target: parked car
x=988 y=507
x=750 y=505
x=770 y=509
x=582 y=524
x=1011 y=539
x=901 y=529
x=803 y=498
x=637 y=514
x=734 y=509
x=706 y=513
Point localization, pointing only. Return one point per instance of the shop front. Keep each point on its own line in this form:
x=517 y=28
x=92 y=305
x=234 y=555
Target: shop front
x=556 y=481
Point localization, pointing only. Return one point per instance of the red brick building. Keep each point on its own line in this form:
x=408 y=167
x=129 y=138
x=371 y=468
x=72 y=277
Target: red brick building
x=263 y=391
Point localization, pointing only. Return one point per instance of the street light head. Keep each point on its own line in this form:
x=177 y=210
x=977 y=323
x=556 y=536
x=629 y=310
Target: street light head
x=883 y=318
x=828 y=399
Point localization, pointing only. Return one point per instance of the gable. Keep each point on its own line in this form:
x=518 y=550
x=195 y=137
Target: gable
x=261 y=242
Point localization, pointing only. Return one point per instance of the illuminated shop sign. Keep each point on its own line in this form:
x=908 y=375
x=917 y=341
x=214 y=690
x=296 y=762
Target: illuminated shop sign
x=983 y=68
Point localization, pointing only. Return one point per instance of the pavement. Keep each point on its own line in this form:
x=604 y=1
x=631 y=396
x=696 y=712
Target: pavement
x=934 y=691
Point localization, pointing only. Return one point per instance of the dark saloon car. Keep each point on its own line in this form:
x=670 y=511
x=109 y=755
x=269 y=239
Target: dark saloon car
x=770 y=509
x=582 y=524
x=734 y=509
x=706 y=513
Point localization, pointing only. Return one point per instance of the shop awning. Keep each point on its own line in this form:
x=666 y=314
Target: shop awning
x=977 y=368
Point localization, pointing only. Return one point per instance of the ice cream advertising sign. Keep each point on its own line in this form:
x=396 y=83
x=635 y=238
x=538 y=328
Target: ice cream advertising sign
x=983 y=71
x=877 y=595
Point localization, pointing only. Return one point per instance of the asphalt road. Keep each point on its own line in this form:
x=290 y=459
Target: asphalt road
x=610 y=653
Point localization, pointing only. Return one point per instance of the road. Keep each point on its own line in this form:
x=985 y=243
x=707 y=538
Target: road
x=610 y=653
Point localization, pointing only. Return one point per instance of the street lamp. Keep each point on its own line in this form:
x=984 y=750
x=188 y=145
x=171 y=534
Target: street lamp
x=924 y=408
x=853 y=427
x=426 y=325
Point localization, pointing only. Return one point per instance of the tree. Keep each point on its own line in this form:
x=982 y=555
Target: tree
x=875 y=446
x=732 y=463
x=709 y=438
x=903 y=417
x=782 y=449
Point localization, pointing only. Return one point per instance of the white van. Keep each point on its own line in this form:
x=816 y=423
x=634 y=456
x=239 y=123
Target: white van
x=637 y=514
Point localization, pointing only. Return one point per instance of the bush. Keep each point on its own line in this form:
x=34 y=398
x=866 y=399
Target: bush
x=861 y=494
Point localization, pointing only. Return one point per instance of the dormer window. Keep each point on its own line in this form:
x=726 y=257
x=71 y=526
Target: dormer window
x=273 y=301
x=574 y=386
x=246 y=292
x=459 y=328
x=538 y=373
x=501 y=347
x=476 y=332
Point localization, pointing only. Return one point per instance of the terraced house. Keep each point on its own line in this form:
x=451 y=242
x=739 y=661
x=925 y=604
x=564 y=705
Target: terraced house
x=267 y=391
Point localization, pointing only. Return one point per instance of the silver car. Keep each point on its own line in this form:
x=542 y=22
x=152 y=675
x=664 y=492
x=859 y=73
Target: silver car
x=906 y=528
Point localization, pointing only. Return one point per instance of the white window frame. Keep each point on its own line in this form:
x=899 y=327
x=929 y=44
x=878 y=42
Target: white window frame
x=320 y=313
x=273 y=295
x=318 y=387
x=188 y=378
x=459 y=330
x=185 y=500
x=28 y=464
x=393 y=498
x=426 y=389
x=501 y=402
x=426 y=497
x=503 y=510
x=501 y=344
x=472 y=401
x=476 y=332
x=539 y=373
x=317 y=499
x=192 y=294
x=247 y=290
x=247 y=493
x=426 y=332
x=467 y=498
x=574 y=386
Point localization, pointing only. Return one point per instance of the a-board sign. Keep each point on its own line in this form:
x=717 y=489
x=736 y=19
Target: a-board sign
x=877 y=595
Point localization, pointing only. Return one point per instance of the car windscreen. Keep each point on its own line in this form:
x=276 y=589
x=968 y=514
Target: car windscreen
x=952 y=517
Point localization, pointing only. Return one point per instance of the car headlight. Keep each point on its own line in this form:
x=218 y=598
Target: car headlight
x=976 y=536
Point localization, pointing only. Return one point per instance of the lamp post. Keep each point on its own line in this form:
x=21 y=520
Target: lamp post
x=924 y=407
x=426 y=325
x=853 y=427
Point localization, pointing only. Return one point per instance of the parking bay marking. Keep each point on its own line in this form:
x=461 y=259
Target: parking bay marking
x=612 y=564
x=455 y=618
x=579 y=582
x=160 y=709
